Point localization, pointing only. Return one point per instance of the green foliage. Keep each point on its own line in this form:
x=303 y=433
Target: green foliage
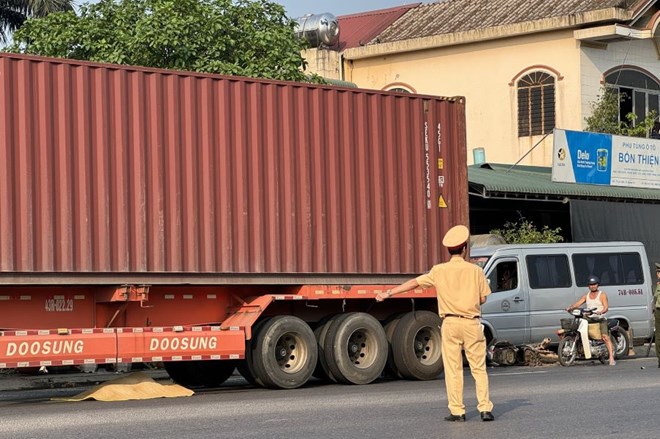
x=525 y=232
x=236 y=37
x=605 y=117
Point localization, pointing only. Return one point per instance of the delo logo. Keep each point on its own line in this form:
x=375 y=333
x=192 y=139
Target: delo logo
x=582 y=155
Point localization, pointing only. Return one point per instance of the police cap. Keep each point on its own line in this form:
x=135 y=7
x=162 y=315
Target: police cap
x=456 y=237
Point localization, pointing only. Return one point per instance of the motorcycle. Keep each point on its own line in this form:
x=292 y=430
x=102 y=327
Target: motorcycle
x=575 y=343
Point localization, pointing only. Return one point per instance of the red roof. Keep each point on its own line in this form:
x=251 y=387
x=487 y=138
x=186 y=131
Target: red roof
x=359 y=29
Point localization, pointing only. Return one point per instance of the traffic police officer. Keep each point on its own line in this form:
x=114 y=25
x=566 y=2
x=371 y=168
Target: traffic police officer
x=462 y=289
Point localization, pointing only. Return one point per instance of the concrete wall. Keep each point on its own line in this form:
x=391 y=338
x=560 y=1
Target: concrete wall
x=323 y=62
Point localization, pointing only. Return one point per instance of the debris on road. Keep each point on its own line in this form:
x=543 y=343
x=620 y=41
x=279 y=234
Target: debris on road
x=504 y=353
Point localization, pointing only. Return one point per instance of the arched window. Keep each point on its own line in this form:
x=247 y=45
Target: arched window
x=399 y=89
x=639 y=93
x=536 y=104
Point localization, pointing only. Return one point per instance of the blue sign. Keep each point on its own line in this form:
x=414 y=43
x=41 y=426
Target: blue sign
x=594 y=158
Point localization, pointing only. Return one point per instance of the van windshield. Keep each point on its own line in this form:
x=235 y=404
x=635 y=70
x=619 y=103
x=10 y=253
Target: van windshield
x=480 y=260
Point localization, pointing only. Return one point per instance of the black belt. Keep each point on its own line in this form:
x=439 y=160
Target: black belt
x=460 y=317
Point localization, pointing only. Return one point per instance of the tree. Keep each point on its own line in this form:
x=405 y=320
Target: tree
x=13 y=13
x=525 y=232
x=237 y=37
x=605 y=117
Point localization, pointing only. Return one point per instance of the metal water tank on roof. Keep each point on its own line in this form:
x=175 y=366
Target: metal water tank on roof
x=318 y=29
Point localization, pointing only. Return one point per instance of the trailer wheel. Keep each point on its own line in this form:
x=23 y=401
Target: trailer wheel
x=356 y=348
x=214 y=373
x=246 y=367
x=416 y=346
x=284 y=353
x=390 y=367
x=210 y=373
x=184 y=373
x=322 y=371
x=180 y=373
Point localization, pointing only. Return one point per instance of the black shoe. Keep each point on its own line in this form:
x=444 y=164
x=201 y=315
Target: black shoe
x=487 y=416
x=455 y=418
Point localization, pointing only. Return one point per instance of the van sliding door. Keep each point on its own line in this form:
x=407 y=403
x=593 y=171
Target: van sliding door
x=550 y=292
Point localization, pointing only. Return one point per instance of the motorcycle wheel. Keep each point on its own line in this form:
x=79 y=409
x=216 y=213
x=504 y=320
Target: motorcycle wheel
x=567 y=350
x=620 y=343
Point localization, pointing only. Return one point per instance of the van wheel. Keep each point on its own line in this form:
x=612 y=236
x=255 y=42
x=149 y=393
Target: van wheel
x=356 y=348
x=417 y=346
x=620 y=343
x=284 y=353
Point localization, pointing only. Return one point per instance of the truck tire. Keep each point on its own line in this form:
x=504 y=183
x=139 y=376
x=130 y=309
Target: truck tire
x=284 y=353
x=246 y=366
x=390 y=367
x=356 y=348
x=214 y=373
x=210 y=373
x=184 y=373
x=322 y=371
x=417 y=346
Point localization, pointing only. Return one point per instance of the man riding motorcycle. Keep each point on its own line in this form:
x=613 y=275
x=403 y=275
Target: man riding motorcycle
x=597 y=299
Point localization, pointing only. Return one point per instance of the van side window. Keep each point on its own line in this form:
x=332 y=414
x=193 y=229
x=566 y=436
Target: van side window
x=504 y=277
x=611 y=268
x=548 y=271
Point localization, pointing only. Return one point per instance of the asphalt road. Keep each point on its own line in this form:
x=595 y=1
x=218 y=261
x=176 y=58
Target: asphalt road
x=583 y=401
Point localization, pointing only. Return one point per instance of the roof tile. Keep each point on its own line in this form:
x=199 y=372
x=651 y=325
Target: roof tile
x=359 y=29
x=451 y=16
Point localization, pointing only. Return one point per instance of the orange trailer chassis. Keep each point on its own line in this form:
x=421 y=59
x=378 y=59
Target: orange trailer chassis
x=194 y=306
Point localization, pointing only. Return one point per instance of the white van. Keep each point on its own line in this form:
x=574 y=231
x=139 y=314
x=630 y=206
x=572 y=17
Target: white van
x=532 y=284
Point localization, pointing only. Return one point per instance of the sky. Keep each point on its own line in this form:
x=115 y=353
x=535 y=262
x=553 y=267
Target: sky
x=298 y=8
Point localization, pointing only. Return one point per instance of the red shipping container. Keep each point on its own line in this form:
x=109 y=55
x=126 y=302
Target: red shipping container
x=125 y=174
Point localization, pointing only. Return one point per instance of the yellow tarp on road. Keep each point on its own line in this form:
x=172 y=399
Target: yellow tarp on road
x=137 y=385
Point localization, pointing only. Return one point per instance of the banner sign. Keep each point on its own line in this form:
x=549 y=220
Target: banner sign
x=594 y=158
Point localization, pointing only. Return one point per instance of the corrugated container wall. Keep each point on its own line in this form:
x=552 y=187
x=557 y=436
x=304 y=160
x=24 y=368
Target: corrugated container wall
x=121 y=170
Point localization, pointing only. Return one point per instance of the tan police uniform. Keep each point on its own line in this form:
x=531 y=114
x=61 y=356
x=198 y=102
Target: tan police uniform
x=460 y=286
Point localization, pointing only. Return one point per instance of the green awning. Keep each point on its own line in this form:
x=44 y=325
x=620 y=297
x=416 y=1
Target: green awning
x=535 y=183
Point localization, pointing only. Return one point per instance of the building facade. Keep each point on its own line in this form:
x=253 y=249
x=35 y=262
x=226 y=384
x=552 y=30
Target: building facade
x=525 y=67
